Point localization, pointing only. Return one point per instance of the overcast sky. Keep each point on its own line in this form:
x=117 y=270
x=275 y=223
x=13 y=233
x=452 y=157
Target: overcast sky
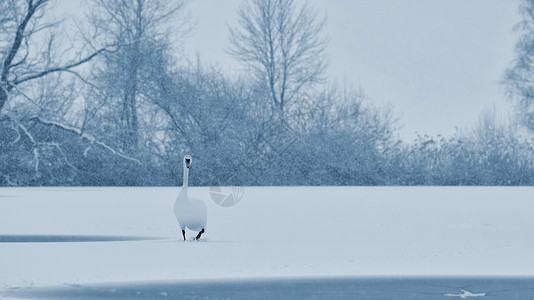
x=438 y=62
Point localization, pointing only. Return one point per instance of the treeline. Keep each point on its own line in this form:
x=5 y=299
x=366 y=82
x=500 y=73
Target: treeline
x=342 y=142
x=123 y=109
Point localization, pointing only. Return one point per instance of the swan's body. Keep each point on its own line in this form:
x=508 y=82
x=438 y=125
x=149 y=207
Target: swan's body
x=190 y=212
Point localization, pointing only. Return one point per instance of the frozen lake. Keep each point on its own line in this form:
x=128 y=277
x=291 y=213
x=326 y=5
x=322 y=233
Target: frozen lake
x=116 y=242
x=316 y=288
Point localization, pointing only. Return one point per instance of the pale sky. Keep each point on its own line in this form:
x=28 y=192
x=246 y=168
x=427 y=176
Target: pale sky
x=438 y=62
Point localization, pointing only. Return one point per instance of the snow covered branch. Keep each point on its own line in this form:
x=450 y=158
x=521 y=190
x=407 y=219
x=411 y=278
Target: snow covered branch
x=34 y=144
x=87 y=137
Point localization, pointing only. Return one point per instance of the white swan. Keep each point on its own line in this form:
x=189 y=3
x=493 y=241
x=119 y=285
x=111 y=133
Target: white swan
x=190 y=212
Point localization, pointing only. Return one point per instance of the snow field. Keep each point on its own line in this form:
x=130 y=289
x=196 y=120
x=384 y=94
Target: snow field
x=273 y=232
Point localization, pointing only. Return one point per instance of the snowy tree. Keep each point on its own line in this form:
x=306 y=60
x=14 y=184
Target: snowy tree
x=202 y=112
x=143 y=30
x=519 y=77
x=282 y=42
x=36 y=83
x=29 y=50
x=346 y=144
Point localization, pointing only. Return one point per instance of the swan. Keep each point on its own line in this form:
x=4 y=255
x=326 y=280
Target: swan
x=190 y=212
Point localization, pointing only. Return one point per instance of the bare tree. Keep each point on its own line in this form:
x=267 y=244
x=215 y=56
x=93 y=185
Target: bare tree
x=143 y=30
x=519 y=77
x=33 y=62
x=283 y=43
x=21 y=32
x=36 y=76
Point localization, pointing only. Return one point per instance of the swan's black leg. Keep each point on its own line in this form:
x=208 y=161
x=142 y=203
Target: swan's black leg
x=200 y=233
x=183 y=233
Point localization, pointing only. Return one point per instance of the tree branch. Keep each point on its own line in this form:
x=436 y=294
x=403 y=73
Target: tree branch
x=60 y=69
x=88 y=137
x=19 y=36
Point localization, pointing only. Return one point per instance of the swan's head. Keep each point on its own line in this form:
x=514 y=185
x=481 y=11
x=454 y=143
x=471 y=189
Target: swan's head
x=187 y=161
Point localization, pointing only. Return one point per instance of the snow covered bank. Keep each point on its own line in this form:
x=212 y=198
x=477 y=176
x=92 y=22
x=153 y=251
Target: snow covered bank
x=272 y=232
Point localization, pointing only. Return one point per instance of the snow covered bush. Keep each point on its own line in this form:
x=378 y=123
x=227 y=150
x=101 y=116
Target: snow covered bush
x=492 y=153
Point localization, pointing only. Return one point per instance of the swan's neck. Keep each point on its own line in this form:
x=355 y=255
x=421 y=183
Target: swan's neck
x=186 y=178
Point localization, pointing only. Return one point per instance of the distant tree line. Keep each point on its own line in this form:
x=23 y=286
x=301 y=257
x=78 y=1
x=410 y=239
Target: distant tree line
x=118 y=106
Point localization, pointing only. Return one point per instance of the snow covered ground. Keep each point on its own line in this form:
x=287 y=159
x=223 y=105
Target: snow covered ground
x=274 y=232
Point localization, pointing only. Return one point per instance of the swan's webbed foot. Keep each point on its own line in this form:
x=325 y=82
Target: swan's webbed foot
x=199 y=234
x=183 y=233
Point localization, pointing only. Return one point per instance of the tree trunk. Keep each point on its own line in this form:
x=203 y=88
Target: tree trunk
x=3 y=98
